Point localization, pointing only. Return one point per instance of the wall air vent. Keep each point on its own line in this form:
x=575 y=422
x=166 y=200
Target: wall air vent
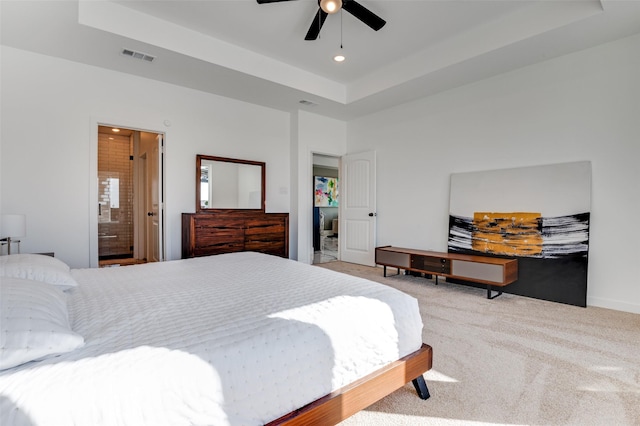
x=308 y=103
x=138 y=55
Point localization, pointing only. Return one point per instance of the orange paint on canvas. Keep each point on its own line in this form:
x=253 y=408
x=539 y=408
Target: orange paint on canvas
x=513 y=234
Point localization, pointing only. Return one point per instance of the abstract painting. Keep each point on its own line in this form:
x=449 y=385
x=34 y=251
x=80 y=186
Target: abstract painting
x=539 y=215
x=326 y=192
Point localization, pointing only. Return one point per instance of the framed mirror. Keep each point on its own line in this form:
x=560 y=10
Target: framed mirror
x=229 y=184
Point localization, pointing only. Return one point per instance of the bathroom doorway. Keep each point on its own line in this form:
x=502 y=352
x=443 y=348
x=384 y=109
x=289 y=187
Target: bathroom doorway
x=325 y=208
x=129 y=196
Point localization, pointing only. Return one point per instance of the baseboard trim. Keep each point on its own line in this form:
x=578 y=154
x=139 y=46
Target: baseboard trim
x=617 y=305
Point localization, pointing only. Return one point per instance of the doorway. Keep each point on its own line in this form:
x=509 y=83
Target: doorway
x=129 y=196
x=325 y=208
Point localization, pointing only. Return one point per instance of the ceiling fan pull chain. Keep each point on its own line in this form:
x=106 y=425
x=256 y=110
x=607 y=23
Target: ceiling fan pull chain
x=341 y=29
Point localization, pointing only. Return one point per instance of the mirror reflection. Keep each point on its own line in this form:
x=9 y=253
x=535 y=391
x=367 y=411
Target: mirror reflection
x=226 y=183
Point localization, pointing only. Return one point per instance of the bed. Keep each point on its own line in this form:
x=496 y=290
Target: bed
x=233 y=339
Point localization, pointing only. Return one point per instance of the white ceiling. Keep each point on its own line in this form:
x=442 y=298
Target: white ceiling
x=257 y=53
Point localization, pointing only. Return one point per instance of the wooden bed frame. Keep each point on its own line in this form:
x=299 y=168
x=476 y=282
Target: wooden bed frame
x=342 y=403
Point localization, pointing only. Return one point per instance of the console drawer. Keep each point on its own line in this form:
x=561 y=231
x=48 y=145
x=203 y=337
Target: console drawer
x=395 y=259
x=478 y=271
x=437 y=265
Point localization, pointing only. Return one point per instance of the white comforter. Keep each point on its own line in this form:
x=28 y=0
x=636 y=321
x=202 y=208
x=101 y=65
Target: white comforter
x=236 y=339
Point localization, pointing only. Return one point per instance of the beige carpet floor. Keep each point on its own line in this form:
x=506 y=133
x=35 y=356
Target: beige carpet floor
x=513 y=360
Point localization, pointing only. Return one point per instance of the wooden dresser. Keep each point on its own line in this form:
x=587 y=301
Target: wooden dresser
x=238 y=230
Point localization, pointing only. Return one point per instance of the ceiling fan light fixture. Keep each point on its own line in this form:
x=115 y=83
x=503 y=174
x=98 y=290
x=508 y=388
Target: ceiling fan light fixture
x=330 y=6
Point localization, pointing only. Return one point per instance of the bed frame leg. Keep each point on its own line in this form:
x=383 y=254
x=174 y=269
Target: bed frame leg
x=421 y=387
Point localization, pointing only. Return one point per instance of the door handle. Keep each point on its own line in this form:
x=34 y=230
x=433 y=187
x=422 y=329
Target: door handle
x=372 y=214
x=149 y=213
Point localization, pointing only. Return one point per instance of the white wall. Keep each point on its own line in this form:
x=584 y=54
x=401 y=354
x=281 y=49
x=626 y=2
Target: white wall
x=316 y=135
x=49 y=107
x=583 y=106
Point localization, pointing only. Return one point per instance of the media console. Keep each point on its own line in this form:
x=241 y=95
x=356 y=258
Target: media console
x=491 y=271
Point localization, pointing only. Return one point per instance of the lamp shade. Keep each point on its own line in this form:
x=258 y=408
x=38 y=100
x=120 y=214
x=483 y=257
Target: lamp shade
x=13 y=225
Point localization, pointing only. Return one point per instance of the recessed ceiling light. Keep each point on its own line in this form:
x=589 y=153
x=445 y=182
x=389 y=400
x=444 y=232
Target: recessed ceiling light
x=115 y=130
x=339 y=58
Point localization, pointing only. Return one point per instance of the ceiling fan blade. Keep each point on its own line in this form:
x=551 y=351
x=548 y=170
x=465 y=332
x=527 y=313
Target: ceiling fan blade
x=316 y=25
x=270 y=1
x=363 y=14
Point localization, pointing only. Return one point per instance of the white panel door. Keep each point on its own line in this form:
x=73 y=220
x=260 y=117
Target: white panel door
x=155 y=205
x=357 y=219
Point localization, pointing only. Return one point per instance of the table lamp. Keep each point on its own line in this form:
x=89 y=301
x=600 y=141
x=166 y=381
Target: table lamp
x=13 y=226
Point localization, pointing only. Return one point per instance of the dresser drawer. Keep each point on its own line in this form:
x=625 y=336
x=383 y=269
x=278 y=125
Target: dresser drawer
x=266 y=238
x=218 y=240
x=276 y=248
x=204 y=224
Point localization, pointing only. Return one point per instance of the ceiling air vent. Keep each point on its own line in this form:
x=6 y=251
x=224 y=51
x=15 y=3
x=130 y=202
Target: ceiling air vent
x=308 y=103
x=138 y=55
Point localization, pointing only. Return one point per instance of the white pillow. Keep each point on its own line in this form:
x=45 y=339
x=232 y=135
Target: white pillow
x=37 y=267
x=35 y=322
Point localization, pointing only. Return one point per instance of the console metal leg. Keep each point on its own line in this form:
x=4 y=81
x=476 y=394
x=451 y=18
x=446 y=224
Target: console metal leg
x=492 y=296
x=385 y=270
x=421 y=387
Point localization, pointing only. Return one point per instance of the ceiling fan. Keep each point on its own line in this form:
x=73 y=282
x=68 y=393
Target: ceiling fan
x=327 y=7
